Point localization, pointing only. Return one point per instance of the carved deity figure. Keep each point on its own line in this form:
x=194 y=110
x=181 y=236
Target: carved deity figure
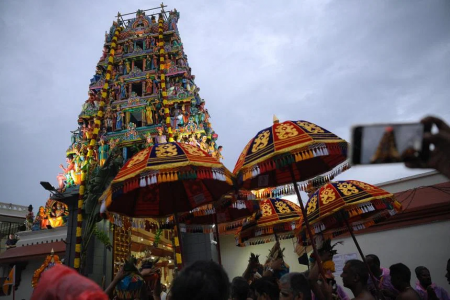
x=160 y=138
x=41 y=220
x=123 y=89
x=103 y=152
x=127 y=67
x=119 y=119
x=148 y=85
x=66 y=178
x=148 y=116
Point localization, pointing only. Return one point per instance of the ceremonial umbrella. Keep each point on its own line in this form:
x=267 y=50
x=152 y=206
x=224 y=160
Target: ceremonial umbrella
x=167 y=179
x=229 y=214
x=291 y=152
x=275 y=216
x=347 y=206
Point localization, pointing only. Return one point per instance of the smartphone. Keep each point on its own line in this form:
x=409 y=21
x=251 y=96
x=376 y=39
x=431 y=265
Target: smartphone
x=387 y=143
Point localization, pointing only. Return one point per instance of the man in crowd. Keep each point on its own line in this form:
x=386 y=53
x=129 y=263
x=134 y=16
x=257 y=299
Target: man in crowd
x=426 y=289
x=382 y=279
x=401 y=278
x=201 y=280
x=294 y=286
x=355 y=276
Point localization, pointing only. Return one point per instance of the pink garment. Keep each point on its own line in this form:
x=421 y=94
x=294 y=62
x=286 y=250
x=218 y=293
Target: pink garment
x=63 y=283
x=440 y=292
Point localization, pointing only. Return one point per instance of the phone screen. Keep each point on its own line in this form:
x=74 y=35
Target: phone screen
x=386 y=143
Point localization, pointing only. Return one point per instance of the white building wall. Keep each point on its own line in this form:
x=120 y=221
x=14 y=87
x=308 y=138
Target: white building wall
x=427 y=245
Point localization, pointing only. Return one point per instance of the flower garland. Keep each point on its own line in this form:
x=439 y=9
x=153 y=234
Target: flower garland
x=162 y=67
x=92 y=143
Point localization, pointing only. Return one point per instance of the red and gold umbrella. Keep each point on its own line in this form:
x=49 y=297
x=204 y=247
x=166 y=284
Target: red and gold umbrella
x=228 y=215
x=357 y=203
x=168 y=178
x=313 y=151
x=291 y=152
x=347 y=206
x=275 y=216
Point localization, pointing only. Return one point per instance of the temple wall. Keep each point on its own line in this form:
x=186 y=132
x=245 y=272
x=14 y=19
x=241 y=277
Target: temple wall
x=427 y=245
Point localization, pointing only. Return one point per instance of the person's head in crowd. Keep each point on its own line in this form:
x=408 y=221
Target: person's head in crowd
x=424 y=276
x=354 y=274
x=239 y=288
x=201 y=280
x=266 y=288
x=447 y=275
x=374 y=264
x=294 y=286
x=400 y=276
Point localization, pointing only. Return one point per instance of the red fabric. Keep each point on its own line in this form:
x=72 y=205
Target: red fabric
x=63 y=283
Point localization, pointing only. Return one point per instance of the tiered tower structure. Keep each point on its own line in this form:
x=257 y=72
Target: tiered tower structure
x=143 y=93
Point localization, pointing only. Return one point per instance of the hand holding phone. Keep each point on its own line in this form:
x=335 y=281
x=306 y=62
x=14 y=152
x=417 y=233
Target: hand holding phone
x=388 y=143
x=439 y=157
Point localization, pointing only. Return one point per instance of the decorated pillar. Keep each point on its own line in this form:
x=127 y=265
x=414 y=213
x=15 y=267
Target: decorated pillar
x=97 y=122
x=162 y=68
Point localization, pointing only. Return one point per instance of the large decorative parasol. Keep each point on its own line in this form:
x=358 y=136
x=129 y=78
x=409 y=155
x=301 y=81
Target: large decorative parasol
x=348 y=206
x=291 y=152
x=168 y=178
x=275 y=217
x=352 y=202
x=312 y=149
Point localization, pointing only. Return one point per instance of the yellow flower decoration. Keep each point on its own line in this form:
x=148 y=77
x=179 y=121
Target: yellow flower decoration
x=164 y=150
x=347 y=189
x=286 y=131
x=327 y=196
x=282 y=207
x=312 y=205
x=192 y=150
x=261 y=141
x=138 y=158
x=312 y=128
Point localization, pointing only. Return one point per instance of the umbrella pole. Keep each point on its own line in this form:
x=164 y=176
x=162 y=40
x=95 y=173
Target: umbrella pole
x=216 y=227
x=308 y=227
x=180 y=242
x=350 y=229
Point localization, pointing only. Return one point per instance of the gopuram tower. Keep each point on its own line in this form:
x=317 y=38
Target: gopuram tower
x=143 y=93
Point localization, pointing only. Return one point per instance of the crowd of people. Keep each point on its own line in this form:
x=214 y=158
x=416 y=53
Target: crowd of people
x=205 y=280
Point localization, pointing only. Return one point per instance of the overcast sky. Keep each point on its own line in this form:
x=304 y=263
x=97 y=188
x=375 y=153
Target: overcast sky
x=334 y=63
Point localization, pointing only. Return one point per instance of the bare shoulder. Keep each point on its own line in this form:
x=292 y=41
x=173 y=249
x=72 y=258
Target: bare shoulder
x=409 y=294
x=364 y=296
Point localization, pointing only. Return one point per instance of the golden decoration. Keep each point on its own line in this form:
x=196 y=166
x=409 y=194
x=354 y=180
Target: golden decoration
x=312 y=128
x=282 y=207
x=138 y=158
x=327 y=195
x=286 y=131
x=164 y=150
x=266 y=210
x=261 y=141
x=192 y=150
x=312 y=205
x=347 y=188
x=363 y=185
